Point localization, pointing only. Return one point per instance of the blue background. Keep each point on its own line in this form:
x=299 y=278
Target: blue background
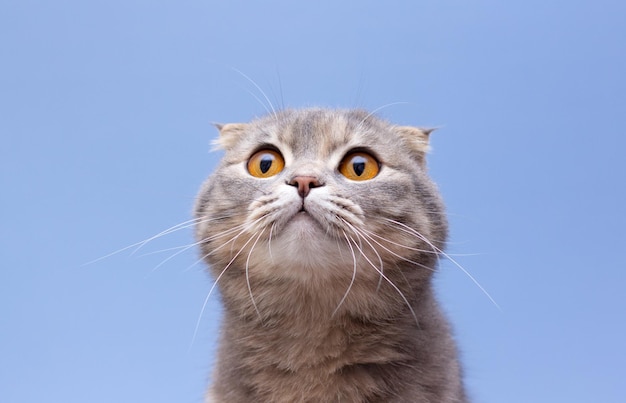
x=105 y=121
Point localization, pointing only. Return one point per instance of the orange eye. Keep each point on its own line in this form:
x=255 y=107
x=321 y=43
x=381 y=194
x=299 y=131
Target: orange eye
x=265 y=163
x=359 y=166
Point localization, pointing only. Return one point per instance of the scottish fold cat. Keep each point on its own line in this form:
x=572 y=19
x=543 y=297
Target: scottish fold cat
x=322 y=231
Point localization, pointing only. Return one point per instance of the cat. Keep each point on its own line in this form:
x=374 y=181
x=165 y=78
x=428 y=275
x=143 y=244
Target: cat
x=322 y=231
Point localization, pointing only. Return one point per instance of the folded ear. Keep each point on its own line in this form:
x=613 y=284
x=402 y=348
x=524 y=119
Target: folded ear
x=417 y=139
x=229 y=134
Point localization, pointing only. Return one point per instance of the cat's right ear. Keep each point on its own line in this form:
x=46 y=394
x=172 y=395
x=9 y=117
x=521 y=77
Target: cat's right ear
x=229 y=134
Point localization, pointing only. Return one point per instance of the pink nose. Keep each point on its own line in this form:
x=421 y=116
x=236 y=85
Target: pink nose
x=305 y=184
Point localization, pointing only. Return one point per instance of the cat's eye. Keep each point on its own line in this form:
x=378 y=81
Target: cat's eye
x=265 y=163
x=359 y=166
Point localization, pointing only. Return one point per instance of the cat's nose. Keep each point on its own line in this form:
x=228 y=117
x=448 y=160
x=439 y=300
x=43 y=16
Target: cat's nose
x=304 y=184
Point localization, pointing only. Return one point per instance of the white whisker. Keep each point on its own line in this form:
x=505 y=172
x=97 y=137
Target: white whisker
x=248 y=274
x=378 y=109
x=400 y=245
x=280 y=89
x=406 y=301
x=173 y=256
x=206 y=300
x=441 y=252
x=269 y=241
x=156 y=252
x=140 y=244
x=261 y=91
x=361 y=235
x=370 y=236
x=353 y=276
x=241 y=228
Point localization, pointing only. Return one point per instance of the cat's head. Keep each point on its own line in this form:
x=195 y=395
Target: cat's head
x=319 y=194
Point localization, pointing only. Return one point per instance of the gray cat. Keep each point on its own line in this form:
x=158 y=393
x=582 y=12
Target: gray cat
x=322 y=231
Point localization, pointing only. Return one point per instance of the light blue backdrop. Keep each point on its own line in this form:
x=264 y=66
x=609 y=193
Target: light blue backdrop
x=105 y=112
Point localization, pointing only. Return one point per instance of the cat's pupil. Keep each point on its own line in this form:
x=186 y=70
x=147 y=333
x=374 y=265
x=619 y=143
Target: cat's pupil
x=358 y=164
x=266 y=163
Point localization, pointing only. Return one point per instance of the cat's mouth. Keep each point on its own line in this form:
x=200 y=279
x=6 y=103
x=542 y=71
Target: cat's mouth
x=304 y=218
x=303 y=213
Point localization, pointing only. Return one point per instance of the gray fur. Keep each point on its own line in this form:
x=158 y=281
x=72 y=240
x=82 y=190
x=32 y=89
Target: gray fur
x=336 y=304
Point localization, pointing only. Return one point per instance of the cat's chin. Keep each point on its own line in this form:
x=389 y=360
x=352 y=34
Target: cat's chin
x=303 y=224
x=301 y=248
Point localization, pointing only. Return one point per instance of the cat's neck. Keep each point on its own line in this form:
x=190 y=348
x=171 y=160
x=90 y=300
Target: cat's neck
x=370 y=297
x=303 y=346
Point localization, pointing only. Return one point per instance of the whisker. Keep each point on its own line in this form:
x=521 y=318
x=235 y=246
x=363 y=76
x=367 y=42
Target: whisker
x=360 y=234
x=175 y=228
x=378 y=109
x=241 y=228
x=248 y=275
x=399 y=244
x=140 y=244
x=259 y=100
x=406 y=301
x=183 y=225
x=206 y=300
x=260 y=90
x=183 y=250
x=458 y=265
x=156 y=252
x=186 y=248
x=353 y=275
x=366 y=233
x=280 y=89
x=269 y=241
x=405 y=228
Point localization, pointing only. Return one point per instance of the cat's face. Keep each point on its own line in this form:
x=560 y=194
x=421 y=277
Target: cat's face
x=319 y=194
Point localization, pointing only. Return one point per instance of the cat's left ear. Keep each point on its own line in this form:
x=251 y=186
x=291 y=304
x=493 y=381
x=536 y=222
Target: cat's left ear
x=229 y=134
x=417 y=139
